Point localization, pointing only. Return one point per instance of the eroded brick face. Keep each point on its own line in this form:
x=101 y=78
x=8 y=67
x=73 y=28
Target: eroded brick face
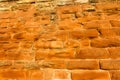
x=59 y=40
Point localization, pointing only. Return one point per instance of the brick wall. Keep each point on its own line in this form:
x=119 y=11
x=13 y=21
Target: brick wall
x=59 y=40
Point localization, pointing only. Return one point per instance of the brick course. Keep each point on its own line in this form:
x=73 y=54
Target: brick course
x=59 y=39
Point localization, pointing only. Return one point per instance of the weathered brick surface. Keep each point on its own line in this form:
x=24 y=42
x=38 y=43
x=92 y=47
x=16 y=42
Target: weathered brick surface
x=115 y=74
x=92 y=53
x=83 y=64
x=59 y=39
x=88 y=75
x=110 y=64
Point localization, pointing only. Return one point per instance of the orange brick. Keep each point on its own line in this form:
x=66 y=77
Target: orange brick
x=71 y=43
x=4 y=64
x=62 y=53
x=104 y=23
x=110 y=64
x=91 y=25
x=61 y=74
x=42 y=44
x=107 y=32
x=2 y=55
x=9 y=45
x=65 y=16
x=114 y=52
x=5 y=37
x=88 y=75
x=4 y=30
x=18 y=55
x=25 y=65
x=92 y=53
x=62 y=34
x=36 y=75
x=78 y=34
x=56 y=44
x=114 y=74
x=69 y=9
x=106 y=6
x=12 y=74
x=83 y=64
x=6 y=14
x=26 y=44
x=54 y=63
x=115 y=23
x=67 y=24
x=42 y=54
x=106 y=42
x=49 y=44
x=84 y=43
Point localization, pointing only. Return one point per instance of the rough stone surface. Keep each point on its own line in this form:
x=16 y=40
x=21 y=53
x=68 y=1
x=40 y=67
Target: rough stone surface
x=59 y=39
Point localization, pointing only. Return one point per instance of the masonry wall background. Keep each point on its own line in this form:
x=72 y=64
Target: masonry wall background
x=59 y=40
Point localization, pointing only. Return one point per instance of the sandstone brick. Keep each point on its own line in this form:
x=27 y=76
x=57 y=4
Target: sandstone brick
x=105 y=42
x=87 y=18
x=26 y=44
x=63 y=53
x=68 y=25
x=106 y=6
x=68 y=9
x=92 y=53
x=115 y=23
x=26 y=65
x=88 y=7
x=5 y=37
x=104 y=23
x=65 y=16
x=114 y=74
x=6 y=14
x=110 y=64
x=91 y=25
x=71 y=43
x=48 y=73
x=5 y=64
x=2 y=0
x=56 y=44
x=84 y=43
x=42 y=54
x=18 y=55
x=25 y=1
x=57 y=64
x=78 y=34
x=81 y=1
x=61 y=74
x=4 y=30
x=114 y=52
x=42 y=44
x=114 y=16
x=49 y=36
x=49 y=44
x=36 y=75
x=83 y=64
x=25 y=36
x=106 y=32
x=19 y=65
x=2 y=55
x=12 y=74
x=63 y=2
x=62 y=34
x=9 y=45
x=88 y=75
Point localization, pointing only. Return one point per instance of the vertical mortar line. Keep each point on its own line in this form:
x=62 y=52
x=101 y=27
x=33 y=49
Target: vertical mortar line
x=108 y=52
x=69 y=75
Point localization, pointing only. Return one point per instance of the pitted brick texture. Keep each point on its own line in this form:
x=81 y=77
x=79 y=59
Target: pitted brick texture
x=59 y=39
